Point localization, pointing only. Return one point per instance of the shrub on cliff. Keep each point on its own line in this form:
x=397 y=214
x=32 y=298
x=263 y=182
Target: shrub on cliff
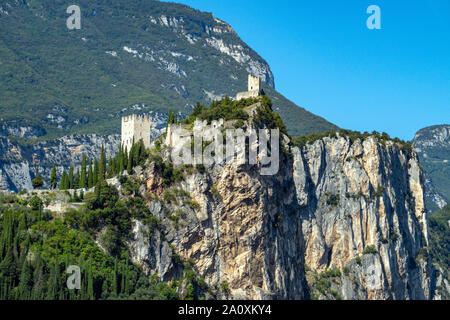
x=38 y=181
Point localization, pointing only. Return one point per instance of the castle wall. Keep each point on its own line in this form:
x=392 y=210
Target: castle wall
x=200 y=129
x=247 y=94
x=127 y=132
x=136 y=127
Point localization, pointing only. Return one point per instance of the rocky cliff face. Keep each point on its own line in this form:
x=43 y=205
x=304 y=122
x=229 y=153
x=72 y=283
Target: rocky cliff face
x=363 y=213
x=240 y=230
x=20 y=163
x=24 y=131
x=341 y=219
x=433 y=146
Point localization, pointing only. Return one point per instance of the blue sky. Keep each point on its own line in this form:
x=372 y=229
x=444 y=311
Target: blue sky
x=326 y=60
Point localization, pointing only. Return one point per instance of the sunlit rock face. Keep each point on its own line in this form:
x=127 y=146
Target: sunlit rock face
x=352 y=207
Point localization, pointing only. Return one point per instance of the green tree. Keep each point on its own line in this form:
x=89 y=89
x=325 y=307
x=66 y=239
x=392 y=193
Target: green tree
x=130 y=164
x=111 y=167
x=36 y=203
x=90 y=175
x=171 y=118
x=96 y=171
x=25 y=282
x=63 y=181
x=102 y=169
x=125 y=159
x=38 y=181
x=70 y=178
x=76 y=183
x=83 y=178
x=53 y=178
x=90 y=282
x=119 y=160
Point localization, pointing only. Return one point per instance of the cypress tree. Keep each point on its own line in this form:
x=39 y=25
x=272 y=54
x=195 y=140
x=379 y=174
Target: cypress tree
x=120 y=165
x=130 y=164
x=53 y=178
x=117 y=160
x=52 y=291
x=102 y=163
x=70 y=178
x=125 y=159
x=122 y=282
x=115 y=277
x=63 y=181
x=90 y=175
x=136 y=153
x=169 y=118
x=127 y=280
x=83 y=179
x=76 y=183
x=96 y=171
x=38 y=278
x=111 y=167
x=90 y=282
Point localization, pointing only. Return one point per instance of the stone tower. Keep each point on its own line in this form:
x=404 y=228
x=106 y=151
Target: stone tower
x=136 y=127
x=254 y=83
x=254 y=88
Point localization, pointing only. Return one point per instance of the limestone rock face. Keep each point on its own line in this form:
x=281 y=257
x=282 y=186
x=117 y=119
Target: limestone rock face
x=352 y=207
x=20 y=163
x=242 y=231
x=362 y=194
x=24 y=131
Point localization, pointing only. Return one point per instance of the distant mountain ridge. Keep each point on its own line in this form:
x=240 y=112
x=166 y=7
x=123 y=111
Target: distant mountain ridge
x=128 y=57
x=433 y=146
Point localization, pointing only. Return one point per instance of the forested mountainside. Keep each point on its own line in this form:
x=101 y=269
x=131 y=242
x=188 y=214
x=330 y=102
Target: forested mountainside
x=128 y=57
x=439 y=250
x=343 y=218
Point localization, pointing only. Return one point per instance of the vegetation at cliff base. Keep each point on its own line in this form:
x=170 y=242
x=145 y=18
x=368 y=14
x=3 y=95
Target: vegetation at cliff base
x=439 y=224
x=37 y=248
x=439 y=247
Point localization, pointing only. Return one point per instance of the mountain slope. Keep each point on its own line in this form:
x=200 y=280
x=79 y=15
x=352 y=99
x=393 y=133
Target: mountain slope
x=433 y=146
x=129 y=56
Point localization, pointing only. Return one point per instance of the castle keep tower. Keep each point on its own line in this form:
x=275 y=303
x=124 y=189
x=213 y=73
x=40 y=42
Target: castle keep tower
x=254 y=83
x=254 y=88
x=136 y=127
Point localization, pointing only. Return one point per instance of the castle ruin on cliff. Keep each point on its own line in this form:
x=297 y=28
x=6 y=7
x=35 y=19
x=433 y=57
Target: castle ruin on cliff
x=137 y=127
